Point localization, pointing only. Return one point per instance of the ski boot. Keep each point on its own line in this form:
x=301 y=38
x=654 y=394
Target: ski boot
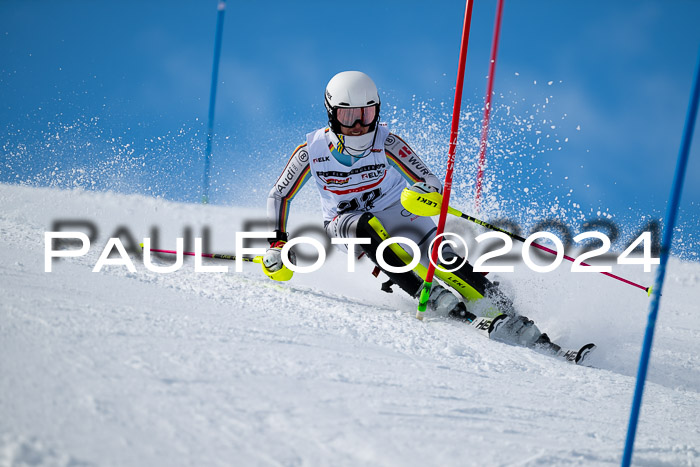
x=544 y=343
x=519 y=330
x=442 y=300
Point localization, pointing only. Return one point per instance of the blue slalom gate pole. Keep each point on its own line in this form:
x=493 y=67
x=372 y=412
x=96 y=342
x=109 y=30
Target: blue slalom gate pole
x=671 y=214
x=212 y=96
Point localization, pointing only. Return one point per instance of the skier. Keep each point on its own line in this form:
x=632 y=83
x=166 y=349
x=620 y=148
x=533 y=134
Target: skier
x=360 y=170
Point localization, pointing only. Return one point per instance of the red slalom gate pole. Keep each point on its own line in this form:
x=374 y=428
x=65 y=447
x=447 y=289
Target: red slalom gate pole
x=428 y=282
x=487 y=103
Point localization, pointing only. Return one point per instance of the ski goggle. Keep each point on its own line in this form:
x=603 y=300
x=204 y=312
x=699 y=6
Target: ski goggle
x=348 y=117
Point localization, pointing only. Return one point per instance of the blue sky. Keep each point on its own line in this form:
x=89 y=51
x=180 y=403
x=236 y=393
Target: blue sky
x=114 y=94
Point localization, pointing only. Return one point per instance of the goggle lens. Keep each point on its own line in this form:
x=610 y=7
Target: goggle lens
x=348 y=117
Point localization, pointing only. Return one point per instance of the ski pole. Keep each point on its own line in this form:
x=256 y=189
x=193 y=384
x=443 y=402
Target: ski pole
x=429 y=204
x=254 y=259
x=280 y=275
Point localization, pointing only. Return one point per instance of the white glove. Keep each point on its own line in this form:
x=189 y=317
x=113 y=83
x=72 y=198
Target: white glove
x=273 y=257
x=422 y=188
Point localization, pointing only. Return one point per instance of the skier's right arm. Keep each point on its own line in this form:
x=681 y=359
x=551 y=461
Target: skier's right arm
x=294 y=175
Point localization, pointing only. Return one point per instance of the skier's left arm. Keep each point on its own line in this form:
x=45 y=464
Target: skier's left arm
x=410 y=166
x=293 y=177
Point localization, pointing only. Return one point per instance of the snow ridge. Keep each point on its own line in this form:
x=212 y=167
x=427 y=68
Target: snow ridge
x=120 y=368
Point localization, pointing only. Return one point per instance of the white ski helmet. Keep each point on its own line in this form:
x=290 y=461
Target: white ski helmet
x=352 y=90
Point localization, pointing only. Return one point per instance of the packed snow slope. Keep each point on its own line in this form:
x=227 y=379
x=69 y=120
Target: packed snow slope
x=141 y=368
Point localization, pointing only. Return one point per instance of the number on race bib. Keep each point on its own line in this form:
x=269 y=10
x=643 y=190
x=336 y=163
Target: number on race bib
x=364 y=202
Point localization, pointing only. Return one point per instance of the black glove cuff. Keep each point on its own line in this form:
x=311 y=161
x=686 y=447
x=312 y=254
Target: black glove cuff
x=279 y=235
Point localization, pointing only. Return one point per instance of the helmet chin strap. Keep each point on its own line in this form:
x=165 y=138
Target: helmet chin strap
x=356 y=146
